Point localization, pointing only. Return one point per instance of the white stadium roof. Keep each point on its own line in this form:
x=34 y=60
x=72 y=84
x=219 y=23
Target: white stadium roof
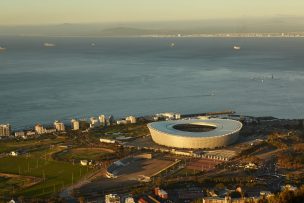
x=222 y=127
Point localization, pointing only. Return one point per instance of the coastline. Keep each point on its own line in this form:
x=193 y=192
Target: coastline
x=228 y=113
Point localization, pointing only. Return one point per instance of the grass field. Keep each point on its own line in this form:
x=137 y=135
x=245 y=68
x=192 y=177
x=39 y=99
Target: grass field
x=187 y=172
x=129 y=130
x=85 y=153
x=8 y=146
x=54 y=175
x=8 y=184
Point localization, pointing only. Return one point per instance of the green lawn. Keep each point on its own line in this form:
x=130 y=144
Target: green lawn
x=54 y=174
x=85 y=154
x=10 y=184
x=129 y=130
x=8 y=146
x=186 y=172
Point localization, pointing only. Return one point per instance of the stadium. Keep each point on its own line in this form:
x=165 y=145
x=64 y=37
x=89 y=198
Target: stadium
x=195 y=133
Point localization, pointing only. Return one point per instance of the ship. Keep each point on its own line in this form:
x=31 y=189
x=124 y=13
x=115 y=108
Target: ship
x=2 y=48
x=49 y=45
x=236 y=47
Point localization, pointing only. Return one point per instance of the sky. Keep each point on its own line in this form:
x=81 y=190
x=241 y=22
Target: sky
x=33 y=12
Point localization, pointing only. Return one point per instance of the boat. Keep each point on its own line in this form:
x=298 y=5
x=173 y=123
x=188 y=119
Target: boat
x=236 y=47
x=49 y=45
x=2 y=48
x=172 y=45
x=93 y=44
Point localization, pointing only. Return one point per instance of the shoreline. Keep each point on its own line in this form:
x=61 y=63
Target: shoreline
x=183 y=116
x=219 y=35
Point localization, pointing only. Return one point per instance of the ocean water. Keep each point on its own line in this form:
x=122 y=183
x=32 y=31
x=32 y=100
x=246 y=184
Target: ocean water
x=141 y=76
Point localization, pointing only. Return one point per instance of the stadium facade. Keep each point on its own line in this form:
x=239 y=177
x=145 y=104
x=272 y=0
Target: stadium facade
x=195 y=133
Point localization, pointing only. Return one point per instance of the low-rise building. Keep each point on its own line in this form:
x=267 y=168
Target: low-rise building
x=121 y=122
x=251 y=166
x=223 y=200
x=48 y=131
x=161 y=193
x=5 y=130
x=266 y=194
x=181 y=152
x=131 y=119
x=107 y=141
x=169 y=116
x=129 y=200
x=112 y=198
x=85 y=163
x=30 y=133
x=20 y=134
x=13 y=153
x=289 y=187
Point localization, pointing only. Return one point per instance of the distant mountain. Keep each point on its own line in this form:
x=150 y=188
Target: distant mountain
x=211 y=26
x=125 y=31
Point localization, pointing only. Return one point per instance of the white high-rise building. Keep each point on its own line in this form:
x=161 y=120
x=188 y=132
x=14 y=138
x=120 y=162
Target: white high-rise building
x=74 y=124
x=39 y=129
x=102 y=119
x=59 y=126
x=111 y=120
x=94 y=122
x=131 y=119
x=5 y=130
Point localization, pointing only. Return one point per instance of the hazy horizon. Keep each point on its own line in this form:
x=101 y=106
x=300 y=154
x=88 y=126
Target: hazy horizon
x=35 y=12
x=244 y=25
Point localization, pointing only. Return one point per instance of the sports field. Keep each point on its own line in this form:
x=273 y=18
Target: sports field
x=85 y=153
x=52 y=175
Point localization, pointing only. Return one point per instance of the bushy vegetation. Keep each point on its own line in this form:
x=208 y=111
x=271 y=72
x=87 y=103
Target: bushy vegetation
x=287 y=196
x=257 y=148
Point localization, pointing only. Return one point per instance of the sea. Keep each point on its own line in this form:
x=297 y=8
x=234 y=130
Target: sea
x=81 y=77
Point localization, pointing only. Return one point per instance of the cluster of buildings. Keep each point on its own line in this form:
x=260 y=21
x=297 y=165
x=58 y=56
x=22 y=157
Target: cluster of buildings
x=101 y=121
x=82 y=124
x=158 y=193
x=167 y=116
x=58 y=127
x=128 y=119
x=161 y=193
x=5 y=130
x=114 y=198
x=215 y=195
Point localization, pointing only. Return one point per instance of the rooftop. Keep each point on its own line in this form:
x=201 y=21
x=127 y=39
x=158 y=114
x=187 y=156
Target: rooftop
x=217 y=127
